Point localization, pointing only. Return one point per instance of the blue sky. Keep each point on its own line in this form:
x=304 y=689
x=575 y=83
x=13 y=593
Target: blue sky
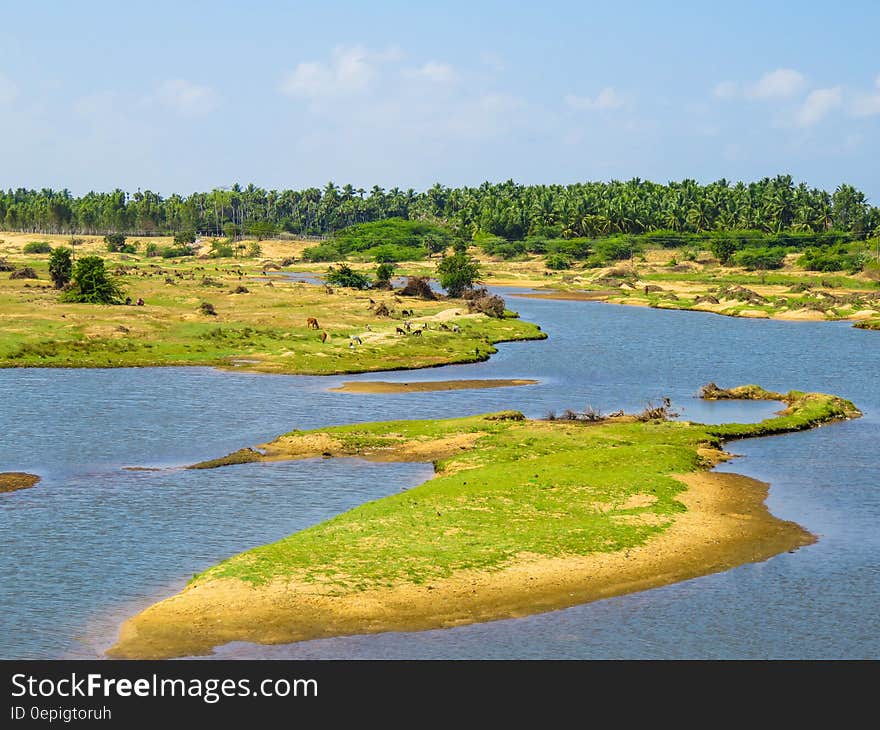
x=178 y=97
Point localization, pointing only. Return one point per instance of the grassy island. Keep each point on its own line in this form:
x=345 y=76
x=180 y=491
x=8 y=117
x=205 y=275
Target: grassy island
x=522 y=516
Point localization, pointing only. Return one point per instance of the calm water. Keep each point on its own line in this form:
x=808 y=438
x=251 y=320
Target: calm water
x=94 y=543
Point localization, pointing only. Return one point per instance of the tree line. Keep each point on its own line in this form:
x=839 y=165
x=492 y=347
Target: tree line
x=508 y=210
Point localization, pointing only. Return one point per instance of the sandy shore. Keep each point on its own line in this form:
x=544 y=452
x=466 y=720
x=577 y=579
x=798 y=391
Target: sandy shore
x=726 y=524
x=725 y=309
x=12 y=481
x=382 y=386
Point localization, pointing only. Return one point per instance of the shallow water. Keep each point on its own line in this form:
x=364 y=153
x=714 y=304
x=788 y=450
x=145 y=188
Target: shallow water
x=94 y=543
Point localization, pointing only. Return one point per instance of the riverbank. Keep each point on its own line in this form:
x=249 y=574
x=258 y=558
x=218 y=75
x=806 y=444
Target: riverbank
x=228 y=313
x=583 y=511
x=425 y=386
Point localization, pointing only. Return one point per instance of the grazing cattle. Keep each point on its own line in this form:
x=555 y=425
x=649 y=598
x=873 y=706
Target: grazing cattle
x=369 y=329
x=456 y=328
x=351 y=345
x=372 y=302
x=401 y=331
x=140 y=302
x=424 y=325
x=312 y=323
x=407 y=326
x=417 y=333
x=324 y=336
x=444 y=326
x=328 y=289
x=355 y=339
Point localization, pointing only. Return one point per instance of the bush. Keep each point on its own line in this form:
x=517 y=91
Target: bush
x=231 y=231
x=114 y=241
x=347 y=277
x=360 y=238
x=558 y=262
x=25 y=273
x=457 y=273
x=151 y=250
x=38 y=247
x=262 y=229
x=91 y=284
x=391 y=253
x=615 y=248
x=384 y=272
x=208 y=309
x=574 y=248
x=61 y=266
x=760 y=258
x=221 y=251
x=185 y=238
x=173 y=252
x=254 y=250
x=834 y=258
x=322 y=252
x=723 y=249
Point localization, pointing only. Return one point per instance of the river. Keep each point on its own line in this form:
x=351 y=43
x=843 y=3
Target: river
x=94 y=543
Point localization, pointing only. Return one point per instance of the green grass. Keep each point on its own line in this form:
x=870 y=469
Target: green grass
x=544 y=488
x=267 y=324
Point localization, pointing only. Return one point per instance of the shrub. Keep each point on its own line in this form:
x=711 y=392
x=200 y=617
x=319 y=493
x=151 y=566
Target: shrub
x=615 y=248
x=575 y=248
x=185 y=238
x=322 y=252
x=262 y=229
x=723 y=249
x=38 y=247
x=208 y=309
x=61 y=266
x=457 y=273
x=254 y=250
x=760 y=258
x=347 y=277
x=558 y=262
x=173 y=252
x=384 y=272
x=151 y=250
x=390 y=253
x=91 y=284
x=25 y=273
x=360 y=238
x=221 y=251
x=114 y=241
x=833 y=258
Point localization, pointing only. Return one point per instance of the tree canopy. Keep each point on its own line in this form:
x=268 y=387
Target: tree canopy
x=507 y=210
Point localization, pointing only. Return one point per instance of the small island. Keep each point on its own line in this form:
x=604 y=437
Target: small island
x=522 y=516
x=12 y=481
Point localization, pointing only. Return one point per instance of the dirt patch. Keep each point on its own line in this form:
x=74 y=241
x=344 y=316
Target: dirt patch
x=12 y=481
x=381 y=386
x=726 y=524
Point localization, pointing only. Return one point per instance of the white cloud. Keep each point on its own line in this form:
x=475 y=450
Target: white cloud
x=186 y=98
x=783 y=83
x=8 y=90
x=608 y=98
x=818 y=104
x=351 y=69
x=867 y=104
x=438 y=73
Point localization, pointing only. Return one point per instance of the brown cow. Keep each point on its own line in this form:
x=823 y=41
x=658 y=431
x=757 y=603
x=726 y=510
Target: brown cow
x=312 y=323
x=324 y=336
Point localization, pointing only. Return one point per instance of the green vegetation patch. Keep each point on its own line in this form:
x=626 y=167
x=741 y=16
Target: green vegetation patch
x=511 y=487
